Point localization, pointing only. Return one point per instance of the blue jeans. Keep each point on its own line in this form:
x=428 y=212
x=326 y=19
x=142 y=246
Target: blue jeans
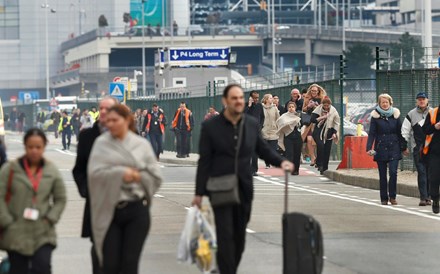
x=156 y=142
x=388 y=187
x=422 y=178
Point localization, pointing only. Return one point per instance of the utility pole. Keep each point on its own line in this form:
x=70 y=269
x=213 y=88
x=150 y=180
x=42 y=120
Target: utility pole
x=274 y=61
x=428 y=31
x=144 y=90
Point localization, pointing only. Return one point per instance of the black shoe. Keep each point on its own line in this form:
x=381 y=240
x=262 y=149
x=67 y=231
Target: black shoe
x=63 y=149
x=187 y=155
x=435 y=206
x=254 y=174
x=179 y=156
x=295 y=173
x=68 y=147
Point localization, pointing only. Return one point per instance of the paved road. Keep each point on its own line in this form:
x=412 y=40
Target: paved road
x=360 y=235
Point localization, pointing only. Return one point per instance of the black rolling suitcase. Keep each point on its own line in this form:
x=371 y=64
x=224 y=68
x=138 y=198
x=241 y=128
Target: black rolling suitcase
x=303 y=249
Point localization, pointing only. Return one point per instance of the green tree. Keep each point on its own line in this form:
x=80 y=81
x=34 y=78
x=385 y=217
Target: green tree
x=403 y=52
x=360 y=58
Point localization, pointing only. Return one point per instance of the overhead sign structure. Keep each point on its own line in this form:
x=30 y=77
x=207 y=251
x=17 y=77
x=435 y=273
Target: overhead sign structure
x=198 y=56
x=117 y=90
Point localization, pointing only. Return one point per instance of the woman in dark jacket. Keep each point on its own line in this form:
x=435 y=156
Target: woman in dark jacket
x=385 y=133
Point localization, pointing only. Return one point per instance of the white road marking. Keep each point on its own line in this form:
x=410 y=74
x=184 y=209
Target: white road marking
x=343 y=197
x=158 y=196
x=66 y=152
x=250 y=231
x=323 y=178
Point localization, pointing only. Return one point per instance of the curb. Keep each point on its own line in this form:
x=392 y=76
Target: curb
x=371 y=183
x=178 y=162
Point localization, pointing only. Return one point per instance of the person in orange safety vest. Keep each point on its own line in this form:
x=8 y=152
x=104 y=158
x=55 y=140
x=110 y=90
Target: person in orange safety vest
x=183 y=124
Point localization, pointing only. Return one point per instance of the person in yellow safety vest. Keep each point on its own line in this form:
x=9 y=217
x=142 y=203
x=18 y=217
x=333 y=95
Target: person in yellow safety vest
x=431 y=153
x=65 y=128
x=94 y=114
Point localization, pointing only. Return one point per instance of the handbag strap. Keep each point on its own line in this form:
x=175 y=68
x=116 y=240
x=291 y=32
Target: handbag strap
x=240 y=140
x=8 y=191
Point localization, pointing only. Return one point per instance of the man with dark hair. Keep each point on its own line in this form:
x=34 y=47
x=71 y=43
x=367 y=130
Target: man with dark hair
x=211 y=113
x=155 y=128
x=65 y=128
x=219 y=140
x=182 y=125
x=255 y=110
x=276 y=102
x=87 y=138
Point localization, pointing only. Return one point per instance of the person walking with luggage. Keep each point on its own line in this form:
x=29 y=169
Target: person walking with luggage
x=431 y=155
x=155 y=128
x=289 y=132
x=412 y=131
x=326 y=119
x=182 y=125
x=123 y=176
x=255 y=109
x=269 y=131
x=385 y=132
x=32 y=199
x=220 y=139
x=65 y=128
x=87 y=138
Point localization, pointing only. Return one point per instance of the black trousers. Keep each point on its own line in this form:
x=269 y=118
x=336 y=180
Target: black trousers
x=274 y=145
x=293 y=150
x=182 y=141
x=434 y=175
x=231 y=235
x=39 y=263
x=254 y=162
x=125 y=239
x=322 y=149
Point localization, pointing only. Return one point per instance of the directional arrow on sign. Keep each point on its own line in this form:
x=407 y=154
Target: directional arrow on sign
x=175 y=56
x=223 y=55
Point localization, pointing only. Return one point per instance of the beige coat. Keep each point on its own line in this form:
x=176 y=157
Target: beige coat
x=25 y=236
x=108 y=161
x=271 y=115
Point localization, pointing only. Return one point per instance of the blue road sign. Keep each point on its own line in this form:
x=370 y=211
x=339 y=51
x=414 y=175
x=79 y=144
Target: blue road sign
x=117 y=90
x=28 y=95
x=199 y=56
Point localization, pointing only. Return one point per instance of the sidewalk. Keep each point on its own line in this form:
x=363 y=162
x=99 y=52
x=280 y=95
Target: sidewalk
x=369 y=178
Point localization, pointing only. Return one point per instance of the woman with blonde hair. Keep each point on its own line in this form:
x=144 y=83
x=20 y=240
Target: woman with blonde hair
x=385 y=133
x=312 y=99
x=271 y=115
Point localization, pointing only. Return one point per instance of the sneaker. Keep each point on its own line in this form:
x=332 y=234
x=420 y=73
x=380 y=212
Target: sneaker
x=308 y=159
x=422 y=203
x=268 y=166
x=435 y=206
x=393 y=201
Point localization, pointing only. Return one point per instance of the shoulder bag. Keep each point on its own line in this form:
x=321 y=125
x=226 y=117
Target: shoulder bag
x=224 y=190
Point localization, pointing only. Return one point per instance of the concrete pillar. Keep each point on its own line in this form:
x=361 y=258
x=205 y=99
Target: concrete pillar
x=308 y=51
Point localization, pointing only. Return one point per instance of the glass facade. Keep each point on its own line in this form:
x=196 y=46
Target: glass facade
x=9 y=19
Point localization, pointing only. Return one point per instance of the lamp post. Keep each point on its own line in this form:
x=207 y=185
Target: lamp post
x=46 y=7
x=144 y=90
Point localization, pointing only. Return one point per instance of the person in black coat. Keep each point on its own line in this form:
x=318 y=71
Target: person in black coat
x=255 y=109
x=295 y=97
x=385 y=133
x=86 y=140
x=431 y=154
x=217 y=148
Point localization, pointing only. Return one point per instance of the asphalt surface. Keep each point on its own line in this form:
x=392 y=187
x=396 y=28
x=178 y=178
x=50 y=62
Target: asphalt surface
x=360 y=235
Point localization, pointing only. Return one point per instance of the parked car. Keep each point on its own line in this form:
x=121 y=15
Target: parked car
x=350 y=129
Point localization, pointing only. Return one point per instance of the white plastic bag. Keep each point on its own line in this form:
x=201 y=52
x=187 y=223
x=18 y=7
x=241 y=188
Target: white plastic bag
x=198 y=241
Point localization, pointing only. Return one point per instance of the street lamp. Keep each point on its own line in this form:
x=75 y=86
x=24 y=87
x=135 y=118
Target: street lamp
x=144 y=91
x=46 y=8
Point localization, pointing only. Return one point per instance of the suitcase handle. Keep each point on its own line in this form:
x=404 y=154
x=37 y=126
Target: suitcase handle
x=286 y=191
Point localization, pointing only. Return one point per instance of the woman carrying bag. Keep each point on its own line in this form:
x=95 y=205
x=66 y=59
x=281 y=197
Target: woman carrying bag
x=385 y=132
x=123 y=176
x=289 y=125
x=326 y=119
x=32 y=198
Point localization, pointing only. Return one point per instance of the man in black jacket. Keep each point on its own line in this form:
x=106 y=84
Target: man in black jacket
x=255 y=110
x=217 y=148
x=295 y=97
x=431 y=128
x=86 y=140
